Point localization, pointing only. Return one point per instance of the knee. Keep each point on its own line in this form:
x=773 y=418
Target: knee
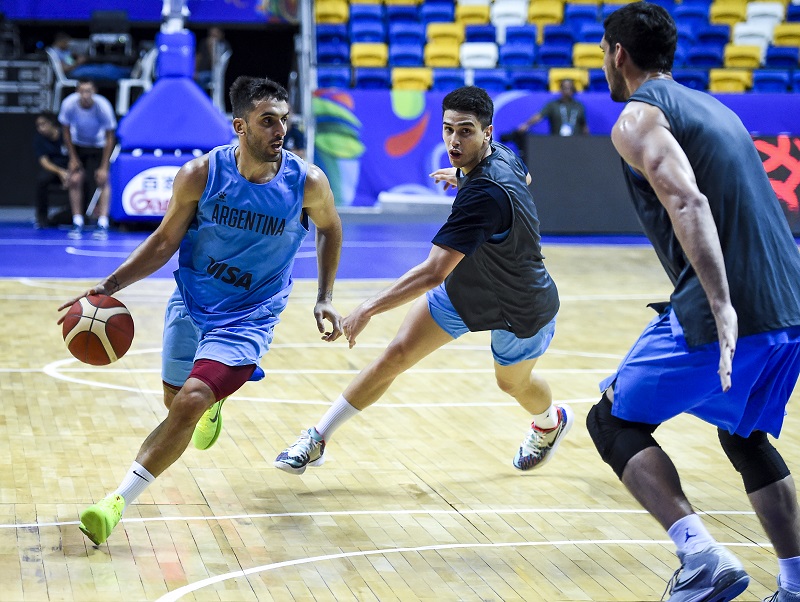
x=190 y=402
x=511 y=387
x=754 y=458
x=396 y=358
x=617 y=440
x=76 y=178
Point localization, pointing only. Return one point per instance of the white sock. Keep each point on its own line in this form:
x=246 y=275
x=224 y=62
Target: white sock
x=77 y=220
x=340 y=412
x=690 y=535
x=547 y=419
x=102 y=221
x=134 y=483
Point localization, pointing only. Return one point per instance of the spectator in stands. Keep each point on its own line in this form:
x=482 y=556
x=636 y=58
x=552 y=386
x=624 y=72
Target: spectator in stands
x=78 y=67
x=89 y=124
x=295 y=139
x=208 y=53
x=566 y=115
x=48 y=145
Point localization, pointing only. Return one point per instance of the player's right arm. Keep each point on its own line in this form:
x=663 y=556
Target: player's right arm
x=644 y=140
x=162 y=244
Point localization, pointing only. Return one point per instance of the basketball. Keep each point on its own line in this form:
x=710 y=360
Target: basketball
x=98 y=329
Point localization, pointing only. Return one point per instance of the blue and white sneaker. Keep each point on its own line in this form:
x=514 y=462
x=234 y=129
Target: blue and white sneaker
x=783 y=595
x=711 y=575
x=308 y=450
x=540 y=445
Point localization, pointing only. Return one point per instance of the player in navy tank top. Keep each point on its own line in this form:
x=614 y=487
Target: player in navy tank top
x=230 y=209
x=726 y=347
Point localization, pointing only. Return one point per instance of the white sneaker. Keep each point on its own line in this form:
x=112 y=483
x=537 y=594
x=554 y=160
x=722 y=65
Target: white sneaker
x=539 y=445
x=308 y=450
x=711 y=575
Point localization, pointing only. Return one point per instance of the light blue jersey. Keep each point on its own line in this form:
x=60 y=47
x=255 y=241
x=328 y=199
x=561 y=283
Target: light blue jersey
x=236 y=258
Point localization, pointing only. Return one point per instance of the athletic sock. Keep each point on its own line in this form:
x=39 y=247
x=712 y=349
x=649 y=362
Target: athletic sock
x=340 y=412
x=546 y=420
x=77 y=220
x=102 y=221
x=134 y=483
x=690 y=535
x=790 y=573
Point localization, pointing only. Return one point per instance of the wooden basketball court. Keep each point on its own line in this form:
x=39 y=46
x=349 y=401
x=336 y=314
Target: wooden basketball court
x=418 y=499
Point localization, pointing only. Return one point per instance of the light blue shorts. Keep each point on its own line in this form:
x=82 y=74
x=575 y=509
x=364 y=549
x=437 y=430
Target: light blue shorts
x=238 y=344
x=507 y=349
x=662 y=377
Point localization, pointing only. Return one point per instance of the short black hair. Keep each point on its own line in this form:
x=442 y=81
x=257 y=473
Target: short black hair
x=470 y=99
x=647 y=32
x=246 y=91
x=50 y=116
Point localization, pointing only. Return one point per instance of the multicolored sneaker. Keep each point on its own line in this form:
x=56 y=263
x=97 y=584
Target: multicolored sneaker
x=208 y=428
x=783 y=595
x=98 y=520
x=711 y=575
x=540 y=445
x=308 y=450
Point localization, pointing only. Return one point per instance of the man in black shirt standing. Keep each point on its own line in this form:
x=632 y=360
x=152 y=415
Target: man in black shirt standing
x=565 y=115
x=51 y=154
x=485 y=271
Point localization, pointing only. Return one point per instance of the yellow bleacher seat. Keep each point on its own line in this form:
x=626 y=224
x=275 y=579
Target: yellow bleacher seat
x=442 y=54
x=587 y=55
x=729 y=80
x=786 y=34
x=472 y=14
x=411 y=78
x=743 y=57
x=727 y=12
x=445 y=32
x=545 y=12
x=558 y=74
x=331 y=11
x=369 y=55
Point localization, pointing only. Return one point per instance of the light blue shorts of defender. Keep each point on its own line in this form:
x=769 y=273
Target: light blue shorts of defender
x=507 y=349
x=662 y=377
x=237 y=344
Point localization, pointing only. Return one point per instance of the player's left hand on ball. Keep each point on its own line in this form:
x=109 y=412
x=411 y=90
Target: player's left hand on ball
x=98 y=289
x=323 y=310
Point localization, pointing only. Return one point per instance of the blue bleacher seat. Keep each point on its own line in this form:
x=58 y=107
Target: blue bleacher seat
x=372 y=78
x=332 y=32
x=669 y=5
x=796 y=81
x=719 y=34
x=693 y=15
x=403 y=32
x=591 y=33
x=680 y=57
x=492 y=80
x=437 y=11
x=597 y=81
x=367 y=32
x=706 y=3
x=697 y=79
x=521 y=33
x=333 y=77
x=535 y=80
x=771 y=80
x=704 y=55
x=782 y=57
x=608 y=9
x=366 y=12
x=555 y=55
x=480 y=33
x=445 y=80
x=406 y=55
x=558 y=34
x=793 y=12
x=333 y=53
x=402 y=13
x=517 y=54
x=576 y=15
x=686 y=35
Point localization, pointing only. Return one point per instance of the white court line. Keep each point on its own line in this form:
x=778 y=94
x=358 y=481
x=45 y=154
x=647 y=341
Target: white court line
x=187 y=589
x=88 y=253
x=451 y=512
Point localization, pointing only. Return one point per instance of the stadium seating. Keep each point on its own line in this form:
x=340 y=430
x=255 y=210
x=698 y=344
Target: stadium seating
x=493 y=80
x=479 y=55
x=445 y=80
x=480 y=33
x=506 y=13
x=696 y=79
x=472 y=14
x=704 y=55
x=786 y=34
x=771 y=80
x=370 y=78
x=535 y=80
x=437 y=12
x=406 y=55
x=445 y=32
x=579 y=76
x=333 y=53
x=367 y=32
x=545 y=12
x=558 y=34
x=770 y=13
x=729 y=80
x=693 y=16
x=782 y=57
x=402 y=13
x=520 y=33
x=517 y=54
x=555 y=55
x=410 y=78
x=744 y=57
x=332 y=33
x=405 y=32
x=727 y=13
x=591 y=32
x=597 y=81
x=713 y=34
x=331 y=11
x=575 y=15
x=369 y=55
x=587 y=55
x=442 y=53
x=333 y=77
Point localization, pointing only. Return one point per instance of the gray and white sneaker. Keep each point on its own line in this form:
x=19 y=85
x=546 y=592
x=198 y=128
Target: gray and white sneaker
x=783 y=595
x=539 y=445
x=711 y=575
x=308 y=450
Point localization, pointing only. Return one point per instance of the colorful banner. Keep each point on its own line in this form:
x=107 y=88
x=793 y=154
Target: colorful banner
x=781 y=157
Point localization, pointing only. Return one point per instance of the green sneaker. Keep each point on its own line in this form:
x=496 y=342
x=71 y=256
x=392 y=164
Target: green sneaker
x=208 y=428
x=98 y=520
